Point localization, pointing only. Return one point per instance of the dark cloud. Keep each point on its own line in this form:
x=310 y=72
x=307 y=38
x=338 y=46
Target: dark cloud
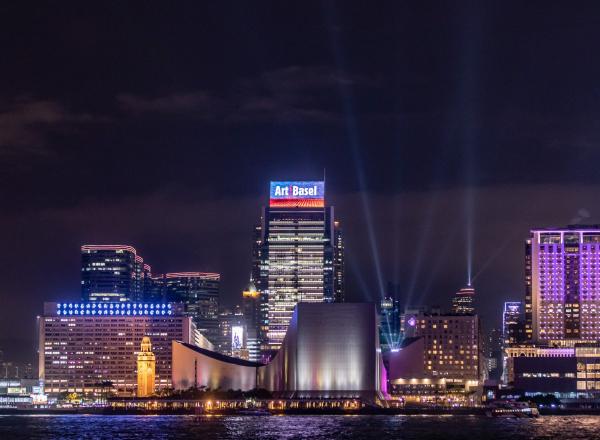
x=199 y=104
x=294 y=94
x=26 y=123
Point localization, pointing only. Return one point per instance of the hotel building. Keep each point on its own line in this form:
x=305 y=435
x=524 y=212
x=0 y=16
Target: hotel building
x=563 y=285
x=440 y=355
x=82 y=345
x=296 y=256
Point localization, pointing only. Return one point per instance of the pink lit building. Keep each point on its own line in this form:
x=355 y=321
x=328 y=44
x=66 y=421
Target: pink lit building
x=563 y=285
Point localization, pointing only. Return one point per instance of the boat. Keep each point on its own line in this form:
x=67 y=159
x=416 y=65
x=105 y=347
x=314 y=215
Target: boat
x=512 y=409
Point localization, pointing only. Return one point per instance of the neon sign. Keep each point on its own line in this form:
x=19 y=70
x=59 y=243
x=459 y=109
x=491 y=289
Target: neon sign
x=297 y=194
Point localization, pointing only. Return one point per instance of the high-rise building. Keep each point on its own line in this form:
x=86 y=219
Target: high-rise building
x=389 y=324
x=111 y=272
x=199 y=292
x=297 y=255
x=493 y=354
x=565 y=285
x=339 y=274
x=513 y=328
x=85 y=345
x=252 y=318
x=528 y=292
x=228 y=338
x=463 y=301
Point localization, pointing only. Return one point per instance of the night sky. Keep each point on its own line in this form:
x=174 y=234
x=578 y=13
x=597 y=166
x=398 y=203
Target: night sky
x=447 y=130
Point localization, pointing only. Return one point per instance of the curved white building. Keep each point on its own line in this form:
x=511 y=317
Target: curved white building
x=331 y=350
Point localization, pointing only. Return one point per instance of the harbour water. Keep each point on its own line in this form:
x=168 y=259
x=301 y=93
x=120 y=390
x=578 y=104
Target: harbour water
x=296 y=427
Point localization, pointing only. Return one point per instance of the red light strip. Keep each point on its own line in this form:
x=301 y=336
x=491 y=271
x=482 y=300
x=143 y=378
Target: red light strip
x=207 y=275
x=108 y=247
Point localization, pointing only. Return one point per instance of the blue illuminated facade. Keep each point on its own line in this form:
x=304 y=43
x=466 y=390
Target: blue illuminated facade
x=119 y=308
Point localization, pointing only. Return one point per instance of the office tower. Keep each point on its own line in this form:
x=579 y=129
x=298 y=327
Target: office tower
x=565 y=285
x=252 y=318
x=199 y=292
x=493 y=354
x=528 y=291
x=228 y=339
x=513 y=328
x=389 y=324
x=84 y=344
x=463 y=301
x=296 y=254
x=111 y=272
x=339 y=275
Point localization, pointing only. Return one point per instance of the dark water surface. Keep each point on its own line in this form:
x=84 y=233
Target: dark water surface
x=296 y=427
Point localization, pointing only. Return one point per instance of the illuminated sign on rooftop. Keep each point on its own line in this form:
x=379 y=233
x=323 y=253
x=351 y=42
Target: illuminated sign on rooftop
x=297 y=194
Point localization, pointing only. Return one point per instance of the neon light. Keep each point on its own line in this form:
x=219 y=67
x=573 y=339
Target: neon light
x=205 y=275
x=108 y=247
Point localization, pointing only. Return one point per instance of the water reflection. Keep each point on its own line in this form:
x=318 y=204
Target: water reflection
x=296 y=427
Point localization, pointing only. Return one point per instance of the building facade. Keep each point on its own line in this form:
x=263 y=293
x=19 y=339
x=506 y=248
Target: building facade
x=452 y=345
x=565 y=284
x=251 y=306
x=82 y=345
x=298 y=256
x=463 y=302
x=232 y=332
x=339 y=269
x=389 y=324
x=199 y=293
x=513 y=323
x=111 y=273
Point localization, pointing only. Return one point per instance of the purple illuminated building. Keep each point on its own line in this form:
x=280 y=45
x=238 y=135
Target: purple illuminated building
x=563 y=285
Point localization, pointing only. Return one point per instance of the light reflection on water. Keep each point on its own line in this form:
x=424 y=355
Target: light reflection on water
x=297 y=427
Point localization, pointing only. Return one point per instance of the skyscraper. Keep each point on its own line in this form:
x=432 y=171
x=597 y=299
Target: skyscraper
x=199 y=292
x=339 y=275
x=513 y=330
x=389 y=324
x=111 y=272
x=251 y=306
x=565 y=284
x=463 y=301
x=298 y=255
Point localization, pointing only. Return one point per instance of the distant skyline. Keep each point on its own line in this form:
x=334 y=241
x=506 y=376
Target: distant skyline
x=446 y=132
